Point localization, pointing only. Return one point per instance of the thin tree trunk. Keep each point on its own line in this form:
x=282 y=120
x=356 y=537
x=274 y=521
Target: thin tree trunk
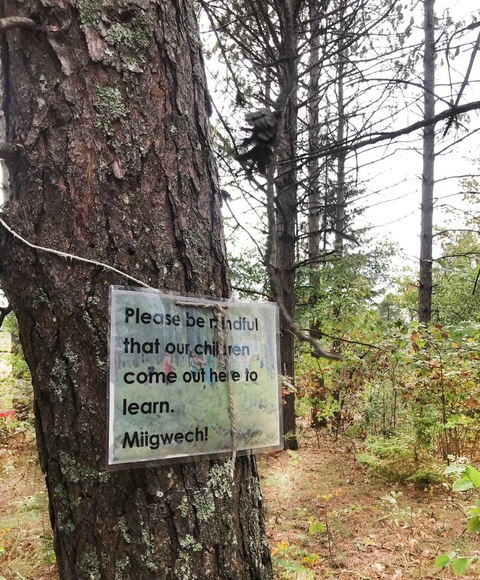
x=107 y=104
x=286 y=188
x=314 y=199
x=426 y=226
x=313 y=193
x=340 y=185
x=340 y=205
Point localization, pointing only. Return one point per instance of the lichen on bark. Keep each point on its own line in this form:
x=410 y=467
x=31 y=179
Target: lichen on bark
x=90 y=12
x=110 y=108
x=130 y=41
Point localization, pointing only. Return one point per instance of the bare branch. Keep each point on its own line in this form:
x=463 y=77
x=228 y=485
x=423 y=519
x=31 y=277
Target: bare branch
x=449 y=231
x=390 y=135
x=465 y=80
x=297 y=332
x=253 y=292
x=359 y=342
x=4 y=312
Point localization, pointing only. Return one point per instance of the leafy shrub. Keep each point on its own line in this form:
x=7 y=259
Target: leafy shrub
x=292 y=562
x=426 y=476
x=394 y=459
x=469 y=480
x=388 y=448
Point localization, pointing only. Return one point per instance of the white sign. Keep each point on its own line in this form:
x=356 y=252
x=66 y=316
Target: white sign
x=169 y=387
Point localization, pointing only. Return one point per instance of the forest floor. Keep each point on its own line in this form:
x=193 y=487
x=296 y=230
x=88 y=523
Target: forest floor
x=26 y=547
x=325 y=517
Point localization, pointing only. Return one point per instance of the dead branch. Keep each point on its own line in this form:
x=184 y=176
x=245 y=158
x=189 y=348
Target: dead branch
x=390 y=135
x=465 y=81
x=253 y=292
x=4 y=312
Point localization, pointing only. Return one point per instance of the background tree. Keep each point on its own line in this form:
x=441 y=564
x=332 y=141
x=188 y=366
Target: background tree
x=268 y=33
x=107 y=107
x=426 y=228
x=455 y=298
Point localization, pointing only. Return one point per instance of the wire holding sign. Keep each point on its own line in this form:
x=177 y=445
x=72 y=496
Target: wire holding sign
x=186 y=382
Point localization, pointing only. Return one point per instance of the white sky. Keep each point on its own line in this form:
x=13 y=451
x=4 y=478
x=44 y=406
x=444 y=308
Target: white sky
x=399 y=219
x=394 y=210
x=397 y=214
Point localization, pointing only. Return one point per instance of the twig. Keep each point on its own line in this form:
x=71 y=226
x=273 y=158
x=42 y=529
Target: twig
x=350 y=341
x=476 y=282
x=465 y=81
x=254 y=292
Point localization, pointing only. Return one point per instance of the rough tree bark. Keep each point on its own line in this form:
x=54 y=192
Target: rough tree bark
x=428 y=181
x=342 y=156
x=107 y=104
x=286 y=239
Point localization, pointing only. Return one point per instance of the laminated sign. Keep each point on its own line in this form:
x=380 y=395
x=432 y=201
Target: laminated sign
x=190 y=377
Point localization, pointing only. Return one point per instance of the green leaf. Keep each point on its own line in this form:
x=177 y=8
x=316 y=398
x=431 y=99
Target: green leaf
x=462 y=485
x=473 y=474
x=316 y=528
x=451 y=469
x=442 y=561
x=460 y=565
x=473 y=524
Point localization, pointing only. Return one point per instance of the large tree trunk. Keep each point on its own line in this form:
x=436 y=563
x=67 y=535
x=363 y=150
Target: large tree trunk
x=107 y=106
x=428 y=182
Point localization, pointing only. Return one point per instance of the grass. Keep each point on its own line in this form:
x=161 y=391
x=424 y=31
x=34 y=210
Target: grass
x=26 y=547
